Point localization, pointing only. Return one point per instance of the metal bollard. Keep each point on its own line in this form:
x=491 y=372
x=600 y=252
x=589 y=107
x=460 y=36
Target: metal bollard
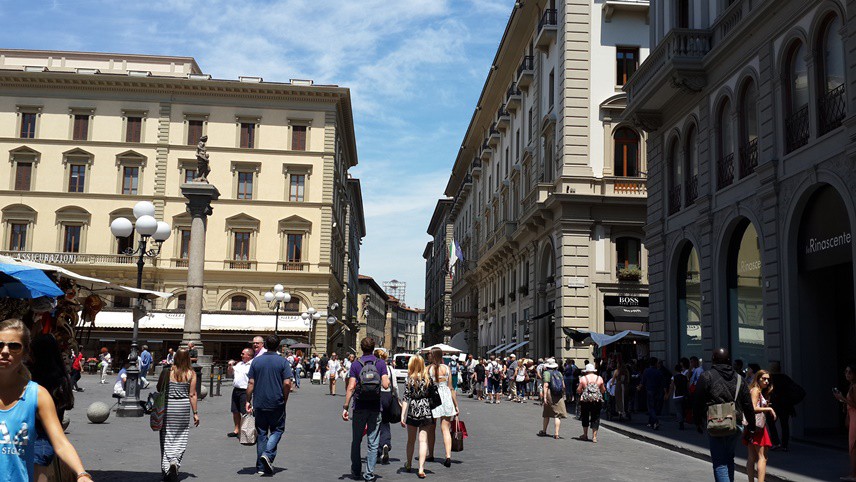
x=219 y=383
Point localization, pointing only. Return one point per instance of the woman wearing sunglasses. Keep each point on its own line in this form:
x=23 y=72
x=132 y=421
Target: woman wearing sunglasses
x=22 y=402
x=759 y=442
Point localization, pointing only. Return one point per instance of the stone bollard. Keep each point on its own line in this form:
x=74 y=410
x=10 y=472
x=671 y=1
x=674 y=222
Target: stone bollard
x=98 y=412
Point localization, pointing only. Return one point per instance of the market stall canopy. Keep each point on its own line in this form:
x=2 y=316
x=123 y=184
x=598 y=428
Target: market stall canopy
x=165 y=320
x=94 y=285
x=516 y=346
x=444 y=347
x=302 y=346
x=497 y=348
x=24 y=282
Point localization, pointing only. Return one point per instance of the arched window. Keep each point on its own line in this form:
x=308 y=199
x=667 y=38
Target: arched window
x=748 y=129
x=292 y=307
x=796 y=103
x=831 y=104
x=675 y=177
x=682 y=13
x=689 y=302
x=626 y=159
x=181 y=301
x=238 y=303
x=725 y=144
x=745 y=301
x=691 y=161
x=628 y=254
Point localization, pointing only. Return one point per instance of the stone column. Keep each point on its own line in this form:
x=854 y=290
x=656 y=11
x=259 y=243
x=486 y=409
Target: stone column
x=199 y=196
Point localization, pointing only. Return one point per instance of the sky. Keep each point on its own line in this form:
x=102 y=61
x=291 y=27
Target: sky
x=415 y=69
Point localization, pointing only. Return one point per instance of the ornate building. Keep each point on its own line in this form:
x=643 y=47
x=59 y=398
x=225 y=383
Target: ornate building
x=439 y=327
x=88 y=135
x=548 y=189
x=750 y=117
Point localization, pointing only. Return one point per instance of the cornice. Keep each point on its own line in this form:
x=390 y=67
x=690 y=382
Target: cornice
x=124 y=198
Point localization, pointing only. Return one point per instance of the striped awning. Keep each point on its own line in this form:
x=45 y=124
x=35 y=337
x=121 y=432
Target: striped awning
x=497 y=348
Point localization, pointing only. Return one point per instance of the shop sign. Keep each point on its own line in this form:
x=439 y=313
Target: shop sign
x=628 y=301
x=825 y=238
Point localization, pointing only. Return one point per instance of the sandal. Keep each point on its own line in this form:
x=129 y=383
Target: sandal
x=542 y=433
x=583 y=438
x=421 y=475
x=407 y=468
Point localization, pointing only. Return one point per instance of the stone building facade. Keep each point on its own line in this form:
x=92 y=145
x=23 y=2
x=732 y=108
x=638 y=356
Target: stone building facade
x=372 y=311
x=548 y=189
x=749 y=107
x=439 y=325
x=88 y=135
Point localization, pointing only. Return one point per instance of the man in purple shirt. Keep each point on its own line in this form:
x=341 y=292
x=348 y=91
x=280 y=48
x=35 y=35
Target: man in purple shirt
x=366 y=410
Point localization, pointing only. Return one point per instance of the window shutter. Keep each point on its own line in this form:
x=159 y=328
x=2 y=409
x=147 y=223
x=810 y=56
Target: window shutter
x=298 y=138
x=23 y=174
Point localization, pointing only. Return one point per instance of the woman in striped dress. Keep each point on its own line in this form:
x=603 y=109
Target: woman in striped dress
x=181 y=400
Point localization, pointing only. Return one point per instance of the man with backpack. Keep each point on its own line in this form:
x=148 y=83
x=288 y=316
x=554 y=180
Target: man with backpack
x=494 y=380
x=721 y=398
x=553 y=389
x=364 y=387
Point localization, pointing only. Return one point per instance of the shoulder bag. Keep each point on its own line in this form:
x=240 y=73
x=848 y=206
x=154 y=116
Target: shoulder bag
x=457 y=436
x=434 y=399
x=247 y=436
x=722 y=417
x=158 y=410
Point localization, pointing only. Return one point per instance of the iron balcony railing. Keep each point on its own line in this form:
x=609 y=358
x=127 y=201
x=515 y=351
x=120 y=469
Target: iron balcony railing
x=512 y=91
x=796 y=129
x=674 y=199
x=725 y=171
x=748 y=158
x=692 y=190
x=528 y=63
x=549 y=18
x=831 y=109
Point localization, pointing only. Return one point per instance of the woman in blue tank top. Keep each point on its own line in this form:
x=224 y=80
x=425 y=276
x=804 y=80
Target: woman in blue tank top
x=21 y=403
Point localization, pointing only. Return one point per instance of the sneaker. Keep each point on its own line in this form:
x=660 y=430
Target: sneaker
x=266 y=463
x=146 y=385
x=384 y=458
x=260 y=472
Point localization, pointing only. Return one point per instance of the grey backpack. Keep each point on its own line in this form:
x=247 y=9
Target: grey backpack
x=722 y=417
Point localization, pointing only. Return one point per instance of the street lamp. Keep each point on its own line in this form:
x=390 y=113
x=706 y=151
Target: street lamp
x=148 y=228
x=275 y=300
x=310 y=316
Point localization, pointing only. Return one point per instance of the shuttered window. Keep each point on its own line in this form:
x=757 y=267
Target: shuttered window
x=81 y=127
x=134 y=129
x=298 y=138
x=248 y=134
x=23 y=175
x=194 y=132
x=18 y=238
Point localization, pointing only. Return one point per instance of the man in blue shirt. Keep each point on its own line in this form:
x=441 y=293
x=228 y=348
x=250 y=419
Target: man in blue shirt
x=145 y=364
x=267 y=393
x=366 y=411
x=652 y=383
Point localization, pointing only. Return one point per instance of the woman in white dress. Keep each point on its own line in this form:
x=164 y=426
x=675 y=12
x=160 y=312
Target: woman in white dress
x=441 y=375
x=333 y=368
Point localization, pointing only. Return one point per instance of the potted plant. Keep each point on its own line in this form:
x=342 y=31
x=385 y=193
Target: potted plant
x=511 y=296
x=523 y=290
x=550 y=279
x=492 y=304
x=502 y=301
x=484 y=309
x=631 y=273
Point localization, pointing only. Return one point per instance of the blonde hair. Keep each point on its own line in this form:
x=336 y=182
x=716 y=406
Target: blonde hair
x=382 y=354
x=14 y=324
x=416 y=370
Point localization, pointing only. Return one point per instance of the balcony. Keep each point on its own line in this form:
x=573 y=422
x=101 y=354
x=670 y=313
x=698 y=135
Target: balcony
x=476 y=168
x=513 y=98
x=625 y=186
x=74 y=258
x=486 y=151
x=610 y=7
x=725 y=171
x=292 y=266
x=831 y=110
x=674 y=199
x=493 y=136
x=179 y=262
x=526 y=72
x=692 y=190
x=748 y=158
x=796 y=129
x=239 y=264
x=503 y=119
x=547 y=29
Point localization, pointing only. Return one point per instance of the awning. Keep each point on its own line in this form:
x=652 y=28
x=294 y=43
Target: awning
x=602 y=340
x=542 y=315
x=446 y=349
x=496 y=348
x=95 y=285
x=210 y=321
x=460 y=341
x=516 y=346
x=576 y=334
x=24 y=282
x=628 y=313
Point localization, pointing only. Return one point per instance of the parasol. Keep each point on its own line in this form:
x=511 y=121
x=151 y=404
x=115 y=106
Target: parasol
x=18 y=281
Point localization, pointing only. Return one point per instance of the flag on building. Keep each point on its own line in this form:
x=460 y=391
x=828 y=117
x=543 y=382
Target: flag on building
x=453 y=257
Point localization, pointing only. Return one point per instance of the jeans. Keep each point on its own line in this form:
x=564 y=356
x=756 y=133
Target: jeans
x=521 y=390
x=297 y=373
x=368 y=420
x=269 y=426
x=144 y=370
x=652 y=399
x=75 y=377
x=722 y=456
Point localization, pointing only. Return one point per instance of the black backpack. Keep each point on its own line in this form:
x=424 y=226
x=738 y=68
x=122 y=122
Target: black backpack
x=369 y=381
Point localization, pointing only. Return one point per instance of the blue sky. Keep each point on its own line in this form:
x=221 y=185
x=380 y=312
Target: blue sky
x=415 y=69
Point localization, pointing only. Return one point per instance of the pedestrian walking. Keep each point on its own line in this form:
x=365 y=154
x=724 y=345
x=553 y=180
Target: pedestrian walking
x=170 y=357
x=416 y=412
x=719 y=387
x=788 y=395
x=104 y=361
x=678 y=391
x=268 y=388
x=386 y=401
x=849 y=406
x=239 y=371
x=323 y=362
x=192 y=353
x=591 y=391
x=76 y=368
x=48 y=370
x=441 y=376
x=521 y=377
x=334 y=366
x=25 y=404
x=494 y=381
x=180 y=386
x=145 y=362
x=479 y=376
x=297 y=367
x=453 y=366
x=553 y=394
x=652 y=384
x=622 y=377
x=259 y=346
x=368 y=376
x=758 y=443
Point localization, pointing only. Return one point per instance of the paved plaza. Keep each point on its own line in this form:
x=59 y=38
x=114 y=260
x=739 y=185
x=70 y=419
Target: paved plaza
x=502 y=445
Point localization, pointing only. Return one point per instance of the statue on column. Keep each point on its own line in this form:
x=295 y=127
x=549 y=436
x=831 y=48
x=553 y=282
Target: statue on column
x=202 y=165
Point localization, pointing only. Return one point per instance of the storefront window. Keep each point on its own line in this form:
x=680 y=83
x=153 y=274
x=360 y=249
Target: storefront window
x=689 y=303
x=745 y=300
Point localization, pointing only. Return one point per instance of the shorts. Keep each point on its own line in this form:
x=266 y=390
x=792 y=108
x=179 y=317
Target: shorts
x=494 y=385
x=43 y=450
x=239 y=400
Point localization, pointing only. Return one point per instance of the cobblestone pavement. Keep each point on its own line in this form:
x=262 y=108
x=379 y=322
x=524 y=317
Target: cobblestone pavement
x=502 y=446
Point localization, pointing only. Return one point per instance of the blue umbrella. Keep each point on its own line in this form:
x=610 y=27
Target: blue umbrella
x=19 y=281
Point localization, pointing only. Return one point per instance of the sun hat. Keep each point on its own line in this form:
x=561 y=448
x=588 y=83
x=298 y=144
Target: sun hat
x=590 y=369
x=551 y=363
